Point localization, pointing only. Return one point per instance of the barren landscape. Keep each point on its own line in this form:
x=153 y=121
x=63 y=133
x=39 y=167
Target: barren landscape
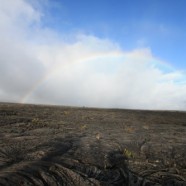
x=55 y=145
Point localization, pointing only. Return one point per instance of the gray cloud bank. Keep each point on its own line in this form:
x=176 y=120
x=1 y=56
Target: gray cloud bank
x=38 y=66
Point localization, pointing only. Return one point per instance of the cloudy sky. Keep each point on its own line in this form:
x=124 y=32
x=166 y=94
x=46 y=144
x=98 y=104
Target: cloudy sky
x=122 y=54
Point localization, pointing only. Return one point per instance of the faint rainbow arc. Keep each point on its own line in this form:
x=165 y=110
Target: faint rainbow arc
x=59 y=65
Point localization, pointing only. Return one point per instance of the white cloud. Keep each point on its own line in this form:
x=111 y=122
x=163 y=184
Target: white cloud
x=37 y=66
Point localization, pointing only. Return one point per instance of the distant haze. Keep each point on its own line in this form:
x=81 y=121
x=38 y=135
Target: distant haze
x=39 y=64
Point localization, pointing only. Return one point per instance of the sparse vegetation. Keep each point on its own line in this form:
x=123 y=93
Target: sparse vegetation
x=128 y=154
x=64 y=145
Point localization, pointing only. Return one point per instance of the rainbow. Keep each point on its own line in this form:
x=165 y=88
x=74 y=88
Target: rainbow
x=137 y=55
x=58 y=66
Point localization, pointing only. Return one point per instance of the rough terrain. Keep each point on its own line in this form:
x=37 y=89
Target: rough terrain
x=53 y=145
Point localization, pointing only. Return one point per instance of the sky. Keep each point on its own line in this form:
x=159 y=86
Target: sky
x=110 y=54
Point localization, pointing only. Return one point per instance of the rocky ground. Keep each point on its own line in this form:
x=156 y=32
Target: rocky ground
x=52 y=145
